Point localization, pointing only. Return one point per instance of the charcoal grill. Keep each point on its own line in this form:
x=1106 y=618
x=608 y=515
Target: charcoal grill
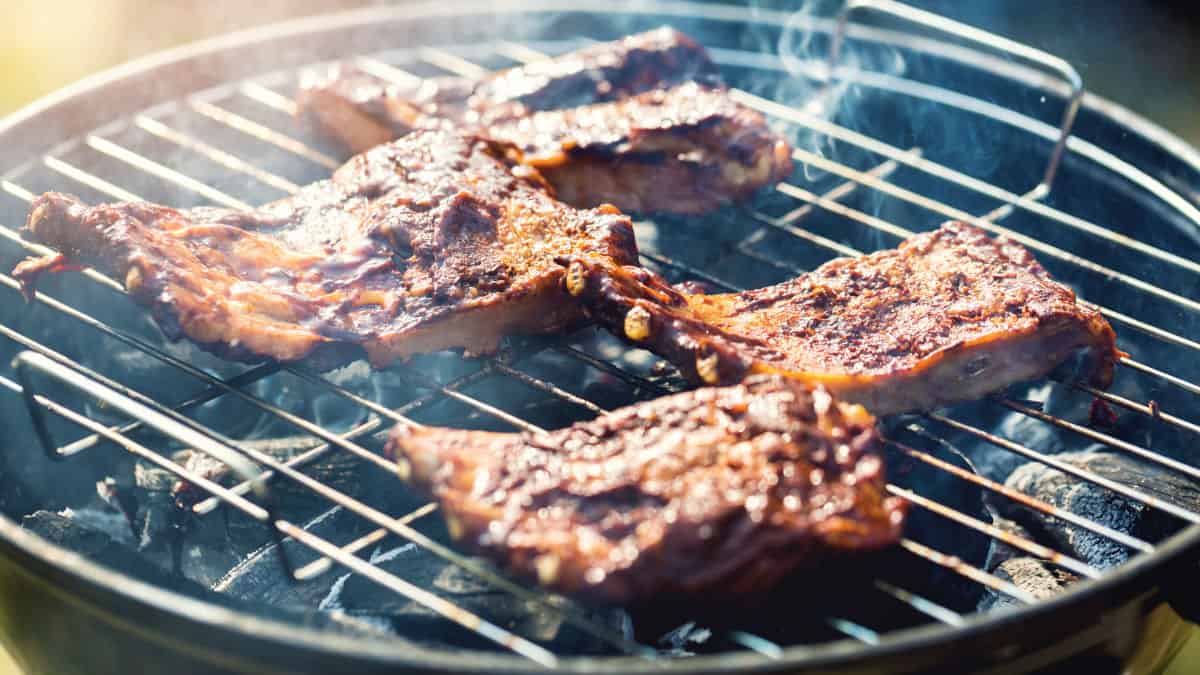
x=901 y=119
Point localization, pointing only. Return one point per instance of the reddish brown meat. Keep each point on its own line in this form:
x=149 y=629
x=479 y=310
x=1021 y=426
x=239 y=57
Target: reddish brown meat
x=646 y=139
x=433 y=242
x=687 y=149
x=706 y=496
x=361 y=111
x=950 y=315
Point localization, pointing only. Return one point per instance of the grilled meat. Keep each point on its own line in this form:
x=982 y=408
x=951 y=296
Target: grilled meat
x=688 y=149
x=433 y=242
x=950 y=315
x=361 y=111
x=708 y=495
x=683 y=148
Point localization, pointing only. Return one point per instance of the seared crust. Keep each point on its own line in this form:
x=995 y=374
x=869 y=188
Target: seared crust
x=704 y=496
x=950 y=315
x=433 y=242
x=642 y=123
x=360 y=111
x=688 y=149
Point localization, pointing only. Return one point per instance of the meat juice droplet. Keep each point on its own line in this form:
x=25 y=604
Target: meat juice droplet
x=1101 y=414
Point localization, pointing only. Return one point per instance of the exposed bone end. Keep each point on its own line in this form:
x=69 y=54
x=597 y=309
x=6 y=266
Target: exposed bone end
x=548 y=566
x=36 y=217
x=637 y=324
x=706 y=368
x=134 y=279
x=454 y=526
x=576 y=278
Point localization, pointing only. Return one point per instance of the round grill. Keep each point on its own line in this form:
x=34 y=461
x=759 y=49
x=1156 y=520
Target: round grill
x=906 y=131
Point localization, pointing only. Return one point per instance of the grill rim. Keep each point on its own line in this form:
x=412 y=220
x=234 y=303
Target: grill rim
x=1120 y=585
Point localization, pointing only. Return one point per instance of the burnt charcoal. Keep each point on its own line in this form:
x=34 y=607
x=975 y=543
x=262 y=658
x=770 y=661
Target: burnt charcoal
x=209 y=546
x=90 y=535
x=360 y=604
x=87 y=533
x=1102 y=505
x=1029 y=574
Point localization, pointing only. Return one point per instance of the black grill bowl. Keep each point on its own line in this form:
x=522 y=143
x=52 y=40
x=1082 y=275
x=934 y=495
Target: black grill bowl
x=988 y=116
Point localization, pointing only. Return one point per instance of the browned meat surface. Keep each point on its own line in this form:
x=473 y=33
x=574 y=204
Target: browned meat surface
x=950 y=315
x=688 y=149
x=361 y=111
x=704 y=496
x=433 y=242
x=649 y=138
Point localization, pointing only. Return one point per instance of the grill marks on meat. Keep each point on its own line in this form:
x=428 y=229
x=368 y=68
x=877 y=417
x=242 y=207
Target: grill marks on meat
x=950 y=315
x=361 y=111
x=706 y=495
x=433 y=242
x=642 y=123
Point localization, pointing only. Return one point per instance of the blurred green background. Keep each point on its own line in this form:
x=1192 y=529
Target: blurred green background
x=1144 y=55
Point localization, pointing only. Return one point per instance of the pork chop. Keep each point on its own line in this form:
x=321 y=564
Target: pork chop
x=951 y=315
x=432 y=242
x=709 y=495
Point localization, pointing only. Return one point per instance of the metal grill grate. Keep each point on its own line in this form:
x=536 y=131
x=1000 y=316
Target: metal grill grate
x=251 y=497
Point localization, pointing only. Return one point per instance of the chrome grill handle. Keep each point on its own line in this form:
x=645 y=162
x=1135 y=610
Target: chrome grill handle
x=941 y=24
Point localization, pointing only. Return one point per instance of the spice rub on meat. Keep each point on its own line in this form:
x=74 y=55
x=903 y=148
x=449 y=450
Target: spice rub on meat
x=712 y=494
x=360 y=110
x=950 y=315
x=432 y=242
x=681 y=146
x=688 y=149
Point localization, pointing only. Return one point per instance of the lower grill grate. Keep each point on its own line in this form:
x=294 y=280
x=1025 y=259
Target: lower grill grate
x=226 y=109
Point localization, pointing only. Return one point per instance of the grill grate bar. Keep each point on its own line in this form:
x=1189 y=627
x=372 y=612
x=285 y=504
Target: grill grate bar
x=92 y=181
x=322 y=565
x=956 y=565
x=1029 y=201
x=1016 y=541
x=1154 y=372
x=1149 y=410
x=364 y=428
x=250 y=376
x=262 y=133
x=958 y=214
x=386 y=71
x=922 y=605
x=853 y=630
x=269 y=97
x=442 y=606
x=1089 y=476
x=1101 y=437
x=1027 y=500
x=156 y=128
x=143 y=452
x=754 y=643
x=153 y=168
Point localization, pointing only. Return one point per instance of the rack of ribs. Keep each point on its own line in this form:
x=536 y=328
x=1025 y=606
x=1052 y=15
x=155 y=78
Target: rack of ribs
x=650 y=139
x=717 y=493
x=432 y=242
x=951 y=315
